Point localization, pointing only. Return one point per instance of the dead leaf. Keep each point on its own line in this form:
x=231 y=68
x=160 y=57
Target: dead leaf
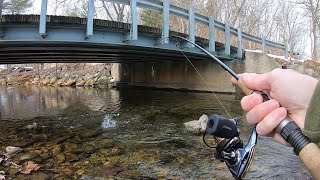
x=28 y=167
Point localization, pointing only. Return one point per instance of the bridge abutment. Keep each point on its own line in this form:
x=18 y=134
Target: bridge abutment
x=176 y=75
x=181 y=74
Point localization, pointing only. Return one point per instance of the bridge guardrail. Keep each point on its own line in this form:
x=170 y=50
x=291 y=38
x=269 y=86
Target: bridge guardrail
x=184 y=13
x=167 y=10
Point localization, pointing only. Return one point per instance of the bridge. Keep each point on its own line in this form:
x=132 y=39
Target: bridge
x=43 y=38
x=143 y=56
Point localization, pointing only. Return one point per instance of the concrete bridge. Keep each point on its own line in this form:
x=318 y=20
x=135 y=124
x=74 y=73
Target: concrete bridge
x=145 y=54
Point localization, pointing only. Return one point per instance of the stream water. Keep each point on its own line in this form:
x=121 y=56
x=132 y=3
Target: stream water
x=88 y=133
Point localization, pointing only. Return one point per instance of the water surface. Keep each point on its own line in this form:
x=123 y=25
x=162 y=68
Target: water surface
x=125 y=134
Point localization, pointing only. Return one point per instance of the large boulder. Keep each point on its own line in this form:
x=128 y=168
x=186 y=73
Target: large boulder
x=61 y=81
x=70 y=82
x=45 y=81
x=3 y=81
x=103 y=80
x=80 y=82
x=64 y=69
x=35 y=80
x=53 y=80
x=89 y=82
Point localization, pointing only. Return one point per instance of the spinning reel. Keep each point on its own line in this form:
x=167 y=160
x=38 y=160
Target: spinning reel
x=231 y=149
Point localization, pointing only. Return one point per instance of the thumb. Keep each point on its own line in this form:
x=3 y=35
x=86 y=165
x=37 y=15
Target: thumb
x=259 y=82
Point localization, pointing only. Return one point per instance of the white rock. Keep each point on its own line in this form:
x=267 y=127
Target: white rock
x=12 y=150
x=203 y=122
x=32 y=126
x=2 y=177
x=192 y=126
x=197 y=126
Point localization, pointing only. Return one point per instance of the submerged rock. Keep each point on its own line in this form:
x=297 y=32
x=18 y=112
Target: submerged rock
x=32 y=126
x=89 y=148
x=197 y=126
x=40 y=176
x=111 y=161
x=71 y=157
x=11 y=150
x=71 y=147
x=105 y=143
x=60 y=158
x=80 y=172
x=67 y=171
x=56 y=149
x=28 y=156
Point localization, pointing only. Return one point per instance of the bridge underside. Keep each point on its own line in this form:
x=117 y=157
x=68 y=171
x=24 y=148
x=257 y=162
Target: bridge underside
x=65 y=42
x=71 y=52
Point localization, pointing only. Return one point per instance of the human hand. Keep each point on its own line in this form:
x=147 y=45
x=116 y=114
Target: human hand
x=290 y=94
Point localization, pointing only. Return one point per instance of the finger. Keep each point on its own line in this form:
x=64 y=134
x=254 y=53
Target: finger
x=234 y=80
x=259 y=112
x=258 y=82
x=271 y=121
x=251 y=101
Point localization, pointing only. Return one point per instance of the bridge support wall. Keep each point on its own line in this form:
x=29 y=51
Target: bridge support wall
x=176 y=75
x=181 y=75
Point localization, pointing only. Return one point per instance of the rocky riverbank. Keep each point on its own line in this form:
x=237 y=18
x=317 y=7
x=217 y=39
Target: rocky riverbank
x=99 y=75
x=311 y=68
x=258 y=62
x=60 y=75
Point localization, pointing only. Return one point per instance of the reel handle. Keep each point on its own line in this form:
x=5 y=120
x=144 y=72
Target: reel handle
x=308 y=152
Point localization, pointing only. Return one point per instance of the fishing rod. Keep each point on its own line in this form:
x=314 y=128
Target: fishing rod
x=238 y=158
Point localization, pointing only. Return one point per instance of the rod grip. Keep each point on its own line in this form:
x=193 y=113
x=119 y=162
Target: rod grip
x=244 y=88
x=310 y=156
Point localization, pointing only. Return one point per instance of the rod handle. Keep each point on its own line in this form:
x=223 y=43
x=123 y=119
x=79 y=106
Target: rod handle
x=310 y=156
x=244 y=88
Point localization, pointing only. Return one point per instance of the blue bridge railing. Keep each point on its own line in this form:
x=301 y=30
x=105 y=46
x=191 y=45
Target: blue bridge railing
x=167 y=10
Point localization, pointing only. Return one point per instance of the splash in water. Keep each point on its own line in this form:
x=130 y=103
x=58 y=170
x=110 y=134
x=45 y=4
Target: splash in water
x=108 y=122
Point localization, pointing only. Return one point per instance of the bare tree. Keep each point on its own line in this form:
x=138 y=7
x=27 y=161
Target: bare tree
x=312 y=8
x=16 y=6
x=114 y=11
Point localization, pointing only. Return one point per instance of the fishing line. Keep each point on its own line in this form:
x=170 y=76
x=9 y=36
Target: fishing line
x=216 y=59
x=225 y=109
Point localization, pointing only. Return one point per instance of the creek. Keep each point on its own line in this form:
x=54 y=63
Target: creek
x=93 y=133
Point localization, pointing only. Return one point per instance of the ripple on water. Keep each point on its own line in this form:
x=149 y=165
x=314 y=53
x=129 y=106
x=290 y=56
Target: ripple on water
x=108 y=122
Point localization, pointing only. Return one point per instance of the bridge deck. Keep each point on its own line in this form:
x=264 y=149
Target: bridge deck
x=65 y=42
